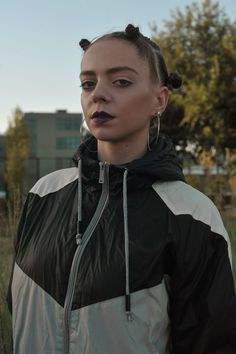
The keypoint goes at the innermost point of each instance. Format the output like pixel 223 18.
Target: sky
pixel 39 51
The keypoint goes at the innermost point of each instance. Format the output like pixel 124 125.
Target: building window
pixel 68 123
pixel 68 143
pixel 31 124
pixel 33 145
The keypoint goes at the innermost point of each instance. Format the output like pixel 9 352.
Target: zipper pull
pixel 78 239
pixel 101 172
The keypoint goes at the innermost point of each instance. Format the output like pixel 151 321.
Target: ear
pixel 161 97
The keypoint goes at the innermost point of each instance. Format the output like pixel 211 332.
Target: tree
pixel 200 43
pixel 17 153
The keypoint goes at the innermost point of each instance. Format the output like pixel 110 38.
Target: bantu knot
pixel 175 81
pixel 84 43
pixel 132 32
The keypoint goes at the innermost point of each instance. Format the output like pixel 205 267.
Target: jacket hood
pixel 161 163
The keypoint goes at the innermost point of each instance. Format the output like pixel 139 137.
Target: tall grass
pixel 5 318
pixel 8 225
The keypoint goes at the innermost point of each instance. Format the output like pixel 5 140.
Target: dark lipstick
pixel 101 116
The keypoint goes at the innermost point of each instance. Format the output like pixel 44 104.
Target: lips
pixel 101 118
pixel 101 115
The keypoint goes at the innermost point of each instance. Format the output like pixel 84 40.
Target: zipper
pixel 82 243
pixel 102 172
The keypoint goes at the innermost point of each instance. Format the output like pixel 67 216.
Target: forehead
pixel 108 53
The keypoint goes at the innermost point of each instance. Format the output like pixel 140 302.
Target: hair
pixel 148 50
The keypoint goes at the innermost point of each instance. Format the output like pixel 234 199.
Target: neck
pixel 119 153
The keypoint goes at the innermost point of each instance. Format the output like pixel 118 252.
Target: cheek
pixel 139 102
pixel 84 106
pixel 84 103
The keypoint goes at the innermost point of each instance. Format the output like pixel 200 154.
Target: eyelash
pixel 126 82
pixel 83 84
pixel 86 83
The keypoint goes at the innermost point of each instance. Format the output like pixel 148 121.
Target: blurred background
pixel 40 111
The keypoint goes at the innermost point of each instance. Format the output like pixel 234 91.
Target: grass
pixel 8 226
pixel 5 318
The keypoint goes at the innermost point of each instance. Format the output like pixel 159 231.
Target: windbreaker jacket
pixel 121 260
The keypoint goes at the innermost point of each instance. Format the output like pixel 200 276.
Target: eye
pixel 122 83
pixel 87 85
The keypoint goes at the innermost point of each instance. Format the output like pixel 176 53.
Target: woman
pixel 119 254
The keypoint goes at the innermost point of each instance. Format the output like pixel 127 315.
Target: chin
pixel 103 136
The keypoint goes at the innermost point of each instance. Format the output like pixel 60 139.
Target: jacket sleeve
pixel 202 296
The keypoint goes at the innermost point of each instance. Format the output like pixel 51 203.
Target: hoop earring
pixel 158 125
pixel 83 139
pixel 81 130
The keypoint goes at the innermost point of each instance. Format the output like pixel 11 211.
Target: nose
pixel 100 93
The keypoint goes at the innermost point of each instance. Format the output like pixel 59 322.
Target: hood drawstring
pixel 126 234
pixel 78 236
pixel 126 239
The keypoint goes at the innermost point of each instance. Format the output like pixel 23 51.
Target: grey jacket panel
pixel 41 330
pixel 98 328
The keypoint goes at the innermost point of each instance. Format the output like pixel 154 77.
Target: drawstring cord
pixel 78 233
pixel 126 234
pixel 126 239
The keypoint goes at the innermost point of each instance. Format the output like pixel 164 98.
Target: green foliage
pixel 194 181
pixel 8 228
pixel 5 318
pixel 6 251
pixel 230 225
pixel 200 44
pixel 17 153
pixel 9 218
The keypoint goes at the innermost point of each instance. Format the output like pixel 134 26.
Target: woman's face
pixel 118 97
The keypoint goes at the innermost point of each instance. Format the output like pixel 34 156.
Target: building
pixel 54 137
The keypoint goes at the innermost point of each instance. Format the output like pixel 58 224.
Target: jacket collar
pixel 161 163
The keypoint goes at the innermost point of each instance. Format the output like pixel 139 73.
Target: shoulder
pixel 182 199
pixel 54 181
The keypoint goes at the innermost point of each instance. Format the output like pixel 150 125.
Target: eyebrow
pixel 110 71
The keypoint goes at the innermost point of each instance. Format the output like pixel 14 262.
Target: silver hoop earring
pixel 158 125
pixel 82 130
pixel 84 135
